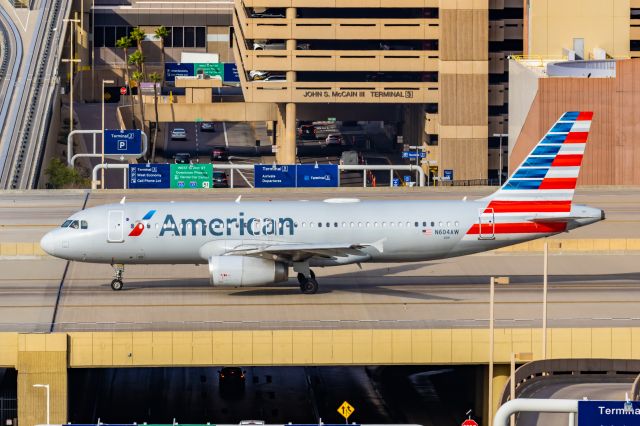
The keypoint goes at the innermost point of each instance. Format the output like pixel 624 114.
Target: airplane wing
pixel 300 251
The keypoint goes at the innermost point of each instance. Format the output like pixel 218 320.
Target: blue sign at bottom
pixel 149 176
pixel 317 176
pixel 275 176
pixel 608 413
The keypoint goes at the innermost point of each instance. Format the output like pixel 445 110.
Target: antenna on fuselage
pixel 238 199
pixel 123 198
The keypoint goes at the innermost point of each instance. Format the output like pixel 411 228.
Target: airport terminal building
pixel 435 70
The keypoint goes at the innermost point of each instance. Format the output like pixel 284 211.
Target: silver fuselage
pixel 189 233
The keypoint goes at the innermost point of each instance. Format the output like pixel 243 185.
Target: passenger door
pixel 486 223
pixel 115 226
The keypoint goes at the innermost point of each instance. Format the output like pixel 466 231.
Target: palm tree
pixel 155 78
pixel 125 44
pixel 162 32
pixel 138 77
pixel 137 34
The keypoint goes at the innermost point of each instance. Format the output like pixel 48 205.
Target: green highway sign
pixel 212 69
pixel 191 176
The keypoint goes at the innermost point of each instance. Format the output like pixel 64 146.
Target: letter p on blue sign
pixel 122 145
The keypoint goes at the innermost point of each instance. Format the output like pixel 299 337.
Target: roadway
pixel 589 289
pixel 595 389
pixel 30 103
pixel 301 395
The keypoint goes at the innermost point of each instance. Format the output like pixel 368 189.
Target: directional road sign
pixel 123 142
pixel 276 176
pixel 149 176
pixel 413 154
pixel 191 176
pixel 346 410
pixel 317 176
pixel 610 413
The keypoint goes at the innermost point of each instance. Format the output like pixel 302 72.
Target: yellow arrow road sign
pixel 346 410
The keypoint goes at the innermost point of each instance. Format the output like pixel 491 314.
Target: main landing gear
pixel 117 284
pixel 308 284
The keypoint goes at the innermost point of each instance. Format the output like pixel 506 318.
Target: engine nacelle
pixel 244 271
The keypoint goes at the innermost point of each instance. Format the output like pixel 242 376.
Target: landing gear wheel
pixel 311 287
pixel 116 285
pixel 303 281
pixel 118 272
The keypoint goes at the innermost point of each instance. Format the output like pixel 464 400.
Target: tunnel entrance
pixel 382 394
pixel 8 396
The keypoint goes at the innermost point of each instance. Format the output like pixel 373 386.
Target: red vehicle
pixel 307 132
pixel 220 153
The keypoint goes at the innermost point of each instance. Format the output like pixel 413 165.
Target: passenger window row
pixel 376 225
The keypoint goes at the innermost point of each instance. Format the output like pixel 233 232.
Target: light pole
pixel 48 398
pixel 500 135
pixel 102 160
pixel 493 282
pixel 520 356
pixel 71 60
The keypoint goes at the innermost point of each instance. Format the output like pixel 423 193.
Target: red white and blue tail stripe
pixel 536 200
pixel 546 180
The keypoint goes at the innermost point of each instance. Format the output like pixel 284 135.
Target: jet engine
pixel 244 271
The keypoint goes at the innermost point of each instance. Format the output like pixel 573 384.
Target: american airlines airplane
pixel 256 243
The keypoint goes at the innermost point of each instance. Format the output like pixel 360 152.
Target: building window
pixel 189 37
pixel 201 37
pixel 178 41
pixel 98 36
pixel 109 36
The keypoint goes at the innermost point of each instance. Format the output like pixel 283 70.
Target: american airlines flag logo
pixel 136 231
pixel 427 232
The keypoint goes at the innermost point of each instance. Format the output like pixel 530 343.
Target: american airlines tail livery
pixel 255 243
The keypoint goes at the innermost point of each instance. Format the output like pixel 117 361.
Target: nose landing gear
pixel 118 271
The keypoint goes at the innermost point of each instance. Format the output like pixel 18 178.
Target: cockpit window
pixel 75 224
pixel 84 224
pixel 66 223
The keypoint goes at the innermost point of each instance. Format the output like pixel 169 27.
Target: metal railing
pixel 71 157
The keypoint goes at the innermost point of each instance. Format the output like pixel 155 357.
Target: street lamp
pixel 500 135
pixel 71 60
pixel 48 398
pixel 102 174
pixel 493 282
pixel 520 356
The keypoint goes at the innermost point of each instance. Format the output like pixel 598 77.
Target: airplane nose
pixel 48 244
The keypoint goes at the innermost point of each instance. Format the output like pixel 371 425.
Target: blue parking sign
pixel 123 142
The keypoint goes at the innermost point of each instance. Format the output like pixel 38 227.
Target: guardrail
pixel 539 370
pixel 421 176
pixel 71 157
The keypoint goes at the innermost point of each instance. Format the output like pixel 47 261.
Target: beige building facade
pixel 580 25
pixel 434 57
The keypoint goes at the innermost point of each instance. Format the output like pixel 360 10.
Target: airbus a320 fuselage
pixel 256 243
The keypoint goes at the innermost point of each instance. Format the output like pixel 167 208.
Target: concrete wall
pixel 464 86
pixel 612 156
pixel 551 25
pixel 523 88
